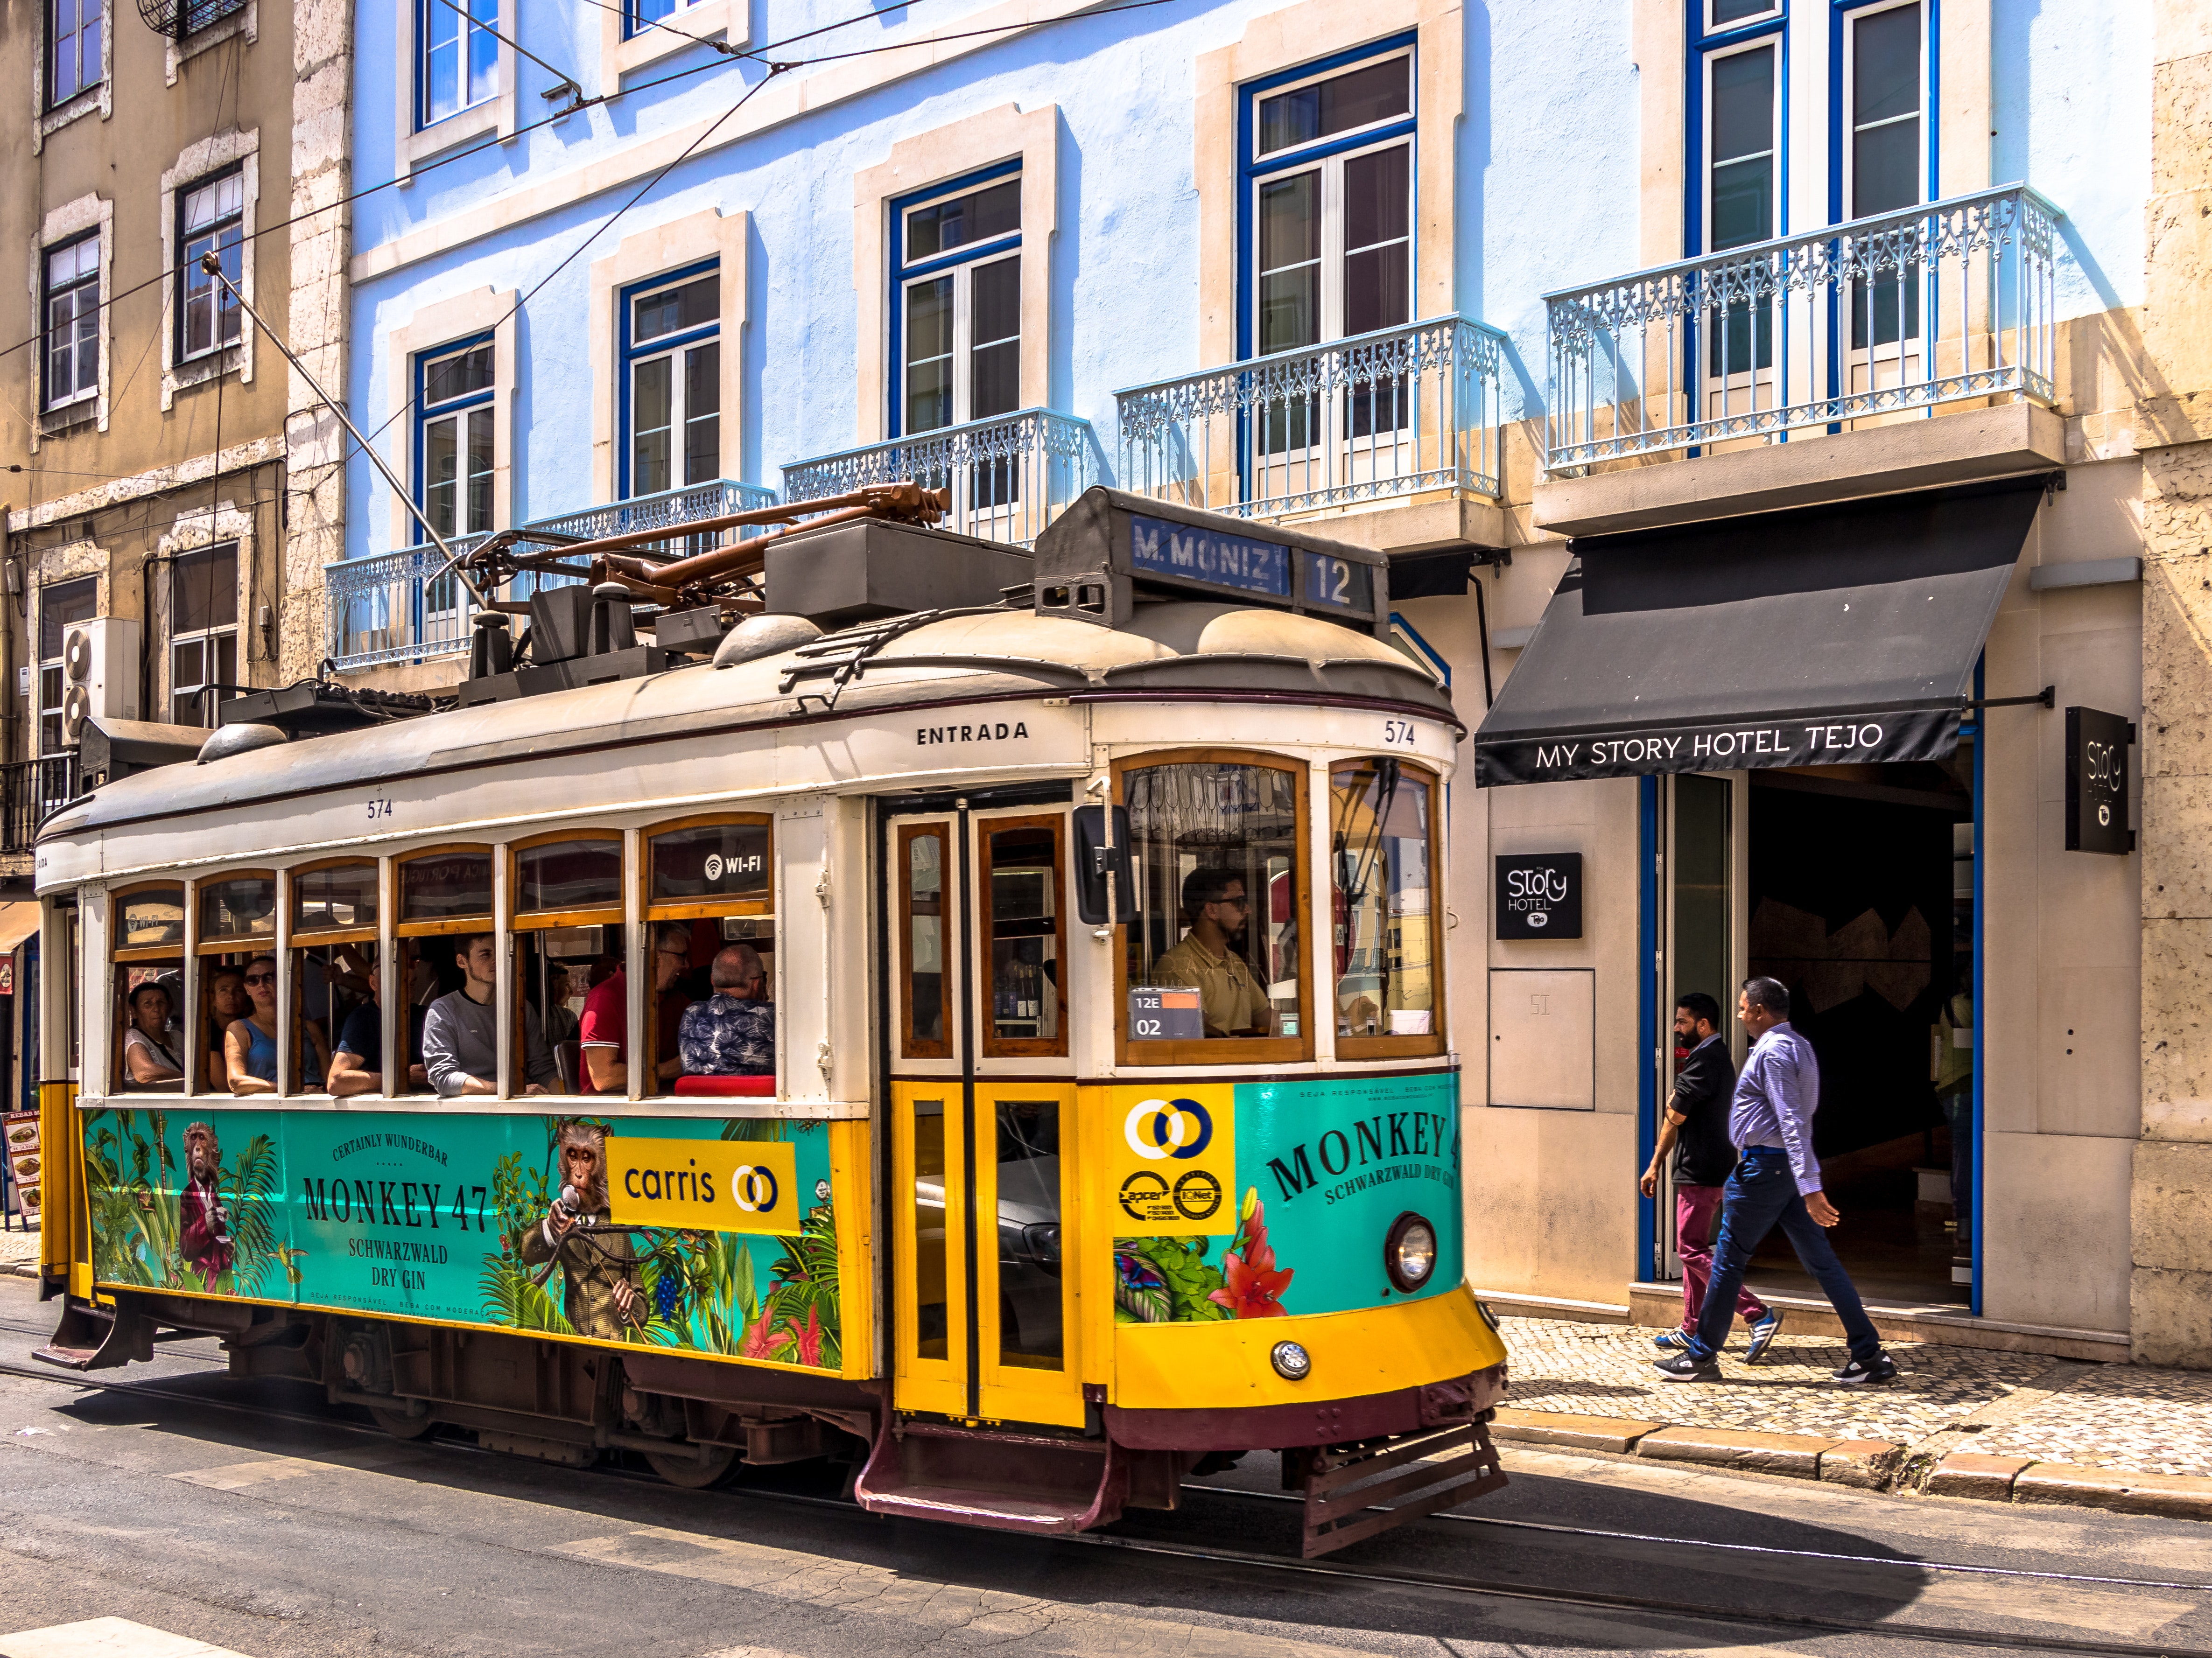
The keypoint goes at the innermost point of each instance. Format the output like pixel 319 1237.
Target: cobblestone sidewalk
pixel 2022 1406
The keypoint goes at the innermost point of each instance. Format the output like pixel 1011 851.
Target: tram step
pixel 91 1337
pixel 1000 1481
pixel 1449 1467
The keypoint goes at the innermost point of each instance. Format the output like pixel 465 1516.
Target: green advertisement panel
pixel 519 1221
pixel 1325 1167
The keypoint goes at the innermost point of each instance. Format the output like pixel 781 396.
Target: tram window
pixel 237 935
pixel 710 1017
pixel 446 886
pixel 241 907
pixel 931 1322
pixel 445 899
pixel 336 1016
pixel 921 922
pixel 566 875
pixel 1021 880
pixel 148 1037
pixel 1030 1335
pixel 337 897
pixel 1386 954
pixel 1216 850
pixel 568 940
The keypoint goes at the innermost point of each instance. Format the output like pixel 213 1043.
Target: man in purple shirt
pixel 1777 1182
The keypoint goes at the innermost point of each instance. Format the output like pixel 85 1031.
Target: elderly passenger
pixel 733 1032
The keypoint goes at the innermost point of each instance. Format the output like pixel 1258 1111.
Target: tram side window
pixel 237 944
pixel 1022 860
pixel 1387 956
pixel 447 949
pixel 568 942
pixel 335 989
pixel 921 861
pixel 710 899
pixel 1215 844
pixel 147 956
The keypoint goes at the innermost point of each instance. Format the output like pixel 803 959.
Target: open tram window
pixel 1021 863
pixel 235 942
pixel 1217 845
pixel 568 902
pixel 921 878
pixel 1387 953
pixel 710 900
pixel 147 954
pixel 444 910
pixel 335 985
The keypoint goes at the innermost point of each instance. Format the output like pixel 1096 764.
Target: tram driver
pixel 1208 960
pixel 460 1036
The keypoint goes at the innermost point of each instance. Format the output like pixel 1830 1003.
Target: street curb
pixel 1876 1464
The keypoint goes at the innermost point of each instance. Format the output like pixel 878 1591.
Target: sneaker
pixel 1762 1335
pixel 1688 1367
pixel 1856 1374
pixel 1673 1342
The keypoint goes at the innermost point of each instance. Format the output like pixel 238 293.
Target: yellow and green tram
pixel 1107 1126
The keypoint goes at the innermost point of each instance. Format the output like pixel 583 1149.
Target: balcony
pixel 32 790
pixel 1010 475
pixel 1394 416
pixel 398 608
pixel 1861 323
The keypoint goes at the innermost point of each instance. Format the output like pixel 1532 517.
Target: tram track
pixel 1398 1577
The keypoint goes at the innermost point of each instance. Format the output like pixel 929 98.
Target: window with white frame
pixel 457 56
pixel 1743 148
pixel 211 219
pixel 1884 155
pixel 454 437
pixel 956 302
pixel 642 14
pixel 1329 166
pixel 61 607
pixel 1732 14
pixel 672 382
pixel 203 633
pixel 73 47
pixel 72 318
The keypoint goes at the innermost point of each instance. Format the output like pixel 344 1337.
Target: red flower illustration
pixel 1252 1287
pixel 810 1339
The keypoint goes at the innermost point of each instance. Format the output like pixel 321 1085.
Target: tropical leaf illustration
pixel 1165 1280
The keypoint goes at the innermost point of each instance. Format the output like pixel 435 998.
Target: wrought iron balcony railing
pixel 397 607
pixel 1397 413
pixel 32 790
pixel 1931 305
pixel 1010 475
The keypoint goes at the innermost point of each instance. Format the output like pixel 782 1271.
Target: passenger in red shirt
pixel 604 1033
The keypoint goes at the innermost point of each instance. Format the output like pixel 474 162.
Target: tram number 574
pixel 1397 733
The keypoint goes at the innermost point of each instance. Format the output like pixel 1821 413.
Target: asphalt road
pixel 252 1516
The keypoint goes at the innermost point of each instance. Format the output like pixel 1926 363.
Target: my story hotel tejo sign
pixel 1857 738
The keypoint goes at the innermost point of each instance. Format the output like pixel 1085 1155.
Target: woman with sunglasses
pixel 250 1044
pixel 151 1043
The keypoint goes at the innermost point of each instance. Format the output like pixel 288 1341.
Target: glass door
pixel 1701 894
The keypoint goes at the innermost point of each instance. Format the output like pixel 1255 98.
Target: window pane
pixel 676 310
pixel 344 896
pixel 1885 168
pixel 480 470
pixel 1289 263
pixel 242 908
pixel 929 354
pixel 1743 202
pixel 1743 104
pixel 1371 93
pixel 1379 837
pixel 996 325
pixel 203 586
pixel 978 217
pixel 651 407
pixel 1219 894
pixel 703 418
pixel 155 917
pixel 1886 65
pixel 1022 922
pixel 713 861
pixel 1734 11
pixel 567 875
pixel 448 884
pixel 1377 276
pixel 923 901
pixel 931 1338
pixel 484 52
pixel 459 375
pixel 1028 1136
pixel 60 608
pixel 441 469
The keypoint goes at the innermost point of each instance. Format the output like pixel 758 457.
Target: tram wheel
pixel 399 1424
pixel 685 1469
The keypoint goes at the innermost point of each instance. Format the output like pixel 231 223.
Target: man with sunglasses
pixel 1233 1000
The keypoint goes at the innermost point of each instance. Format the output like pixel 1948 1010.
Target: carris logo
pixel 1158 1129
pixel 753 1189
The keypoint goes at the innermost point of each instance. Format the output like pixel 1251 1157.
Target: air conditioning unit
pixel 100 673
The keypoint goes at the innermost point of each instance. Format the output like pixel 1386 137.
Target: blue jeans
pixel 1761 1194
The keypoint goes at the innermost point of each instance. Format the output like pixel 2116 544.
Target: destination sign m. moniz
pixel 1860 737
pixel 2097 781
pixel 1195 553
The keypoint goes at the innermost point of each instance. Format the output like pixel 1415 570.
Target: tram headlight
pixel 1409 1252
pixel 1292 1361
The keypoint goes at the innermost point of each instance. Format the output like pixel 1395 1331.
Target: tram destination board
pixel 1111 549
pixel 1165 1013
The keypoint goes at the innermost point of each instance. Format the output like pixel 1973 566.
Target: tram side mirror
pixel 1093 859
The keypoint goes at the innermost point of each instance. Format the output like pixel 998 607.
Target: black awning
pixel 1820 636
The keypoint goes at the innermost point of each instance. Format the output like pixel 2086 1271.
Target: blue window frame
pixel 457 58
pixel 670 388
pixel 1735 141
pixel 455 422
pixel 639 16
pixel 956 301
pixel 1325 203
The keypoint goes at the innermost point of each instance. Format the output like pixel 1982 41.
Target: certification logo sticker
pixel 1171 1159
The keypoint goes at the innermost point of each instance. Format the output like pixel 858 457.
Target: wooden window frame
pixel 230 942
pixel 911 1048
pixel 1386 1046
pixel 1225 1050
pixel 547 920
pixel 443 925
pixel 990 1045
pixel 339 935
pixel 652 916
pixel 126 955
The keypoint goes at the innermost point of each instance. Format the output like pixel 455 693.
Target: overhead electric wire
pixel 567 83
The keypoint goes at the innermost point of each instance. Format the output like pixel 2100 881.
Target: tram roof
pixel 1173 649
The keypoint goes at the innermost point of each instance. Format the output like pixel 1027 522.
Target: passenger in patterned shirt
pixel 733 1032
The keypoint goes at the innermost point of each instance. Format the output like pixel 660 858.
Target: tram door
pixel 982 1141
